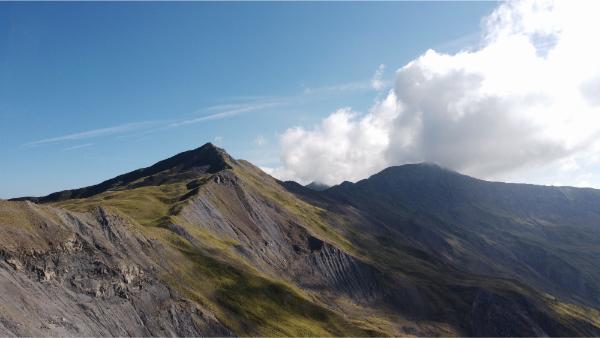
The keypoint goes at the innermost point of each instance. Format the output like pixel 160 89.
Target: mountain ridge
pixel 206 158
pixel 389 255
pixel 536 217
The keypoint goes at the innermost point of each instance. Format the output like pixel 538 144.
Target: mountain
pixel 544 236
pixel 189 164
pixel 318 186
pixel 204 244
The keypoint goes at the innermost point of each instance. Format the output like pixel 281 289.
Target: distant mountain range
pixel 204 244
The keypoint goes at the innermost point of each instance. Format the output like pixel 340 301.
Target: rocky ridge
pixel 203 244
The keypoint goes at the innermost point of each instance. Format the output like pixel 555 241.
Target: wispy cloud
pixel 217 112
pixel 236 106
pixel 465 42
pixel 79 146
pixel 260 140
pixel 342 87
pixel 377 82
pixel 232 110
pixel 88 134
pixel 218 140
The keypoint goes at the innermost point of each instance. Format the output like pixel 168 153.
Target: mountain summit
pixel 205 159
pixel 201 244
pixel 318 186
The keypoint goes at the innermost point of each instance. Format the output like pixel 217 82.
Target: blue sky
pixel 92 90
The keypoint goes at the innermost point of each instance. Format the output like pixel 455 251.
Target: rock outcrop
pixel 88 275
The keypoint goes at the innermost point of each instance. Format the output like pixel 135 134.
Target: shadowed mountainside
pixel 547 237
pixel 202 244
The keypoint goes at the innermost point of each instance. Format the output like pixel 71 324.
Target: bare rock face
pixel 328 267
pixel 495 315
pixel 100 279
pixel 276 242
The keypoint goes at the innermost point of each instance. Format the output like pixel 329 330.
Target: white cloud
pixel 377 81
pixel 344 145
pixel 525 101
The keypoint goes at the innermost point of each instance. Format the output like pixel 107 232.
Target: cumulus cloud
pixel 345 145
pixel 527 99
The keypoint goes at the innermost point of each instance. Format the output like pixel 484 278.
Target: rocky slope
pixel 64 273
pixel 202 244
pixel 547 237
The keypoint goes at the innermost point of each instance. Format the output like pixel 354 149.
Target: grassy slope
pixel 448 290
pixel 253 304
pixel 242 298
pixel 445 286
pixel 23 227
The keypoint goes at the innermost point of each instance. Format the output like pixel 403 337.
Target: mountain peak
pixel 207 158
pixel 424 175
pixel 209 147
pixel 318 186
pixel 413 170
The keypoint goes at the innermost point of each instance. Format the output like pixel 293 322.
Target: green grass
pixel 242 298
pixel 212 274
pixel 24 227
pixel 309 215
pixel 248 303
pixel 147 205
